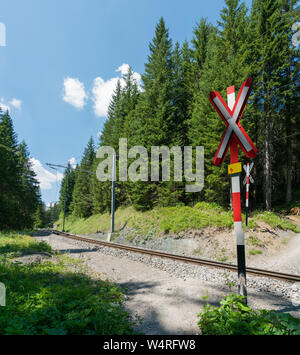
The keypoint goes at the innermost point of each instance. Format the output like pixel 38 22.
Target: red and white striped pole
pixel 247 192
pixel 236 206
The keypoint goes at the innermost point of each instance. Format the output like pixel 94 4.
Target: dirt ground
pixel 164 304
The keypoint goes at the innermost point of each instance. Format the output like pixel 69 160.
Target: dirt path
pixel 295 219
pixel 165 304
pixel 286 260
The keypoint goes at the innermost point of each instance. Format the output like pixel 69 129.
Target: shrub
pixel 56 296
pixel 234 317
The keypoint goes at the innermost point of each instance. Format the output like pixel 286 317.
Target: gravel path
pixel 287 260
pixel 167 295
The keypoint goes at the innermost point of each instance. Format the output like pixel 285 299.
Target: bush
pixel 234 317
pixel 56 296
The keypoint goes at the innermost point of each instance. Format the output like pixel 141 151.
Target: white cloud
pixel 102 90
pixel 4 107
pixel 99 134
pixel 45 177
pixel 123 68
pixel 102 93
pixel 74 92
pixel 16 103
pixel 72 162
pixel 136 76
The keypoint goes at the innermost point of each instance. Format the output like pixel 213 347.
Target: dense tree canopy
pixel 172 108
pixel 19 189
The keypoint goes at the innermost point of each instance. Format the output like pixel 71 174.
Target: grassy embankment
pixel 56 295
pixel 171 220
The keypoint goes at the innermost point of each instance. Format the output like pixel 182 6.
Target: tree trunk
pixel 288 196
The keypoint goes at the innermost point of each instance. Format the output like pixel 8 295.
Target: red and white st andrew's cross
pixel 234 130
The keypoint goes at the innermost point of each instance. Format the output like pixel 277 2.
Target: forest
pixel 21 206
pixel 172 108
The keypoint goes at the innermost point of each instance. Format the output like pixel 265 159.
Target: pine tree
pixel 225 65
pixel 288 96
pixel 157 118
pixel 9 173
pixel 199 52
pixel 29 188
pixel 154 111
pixel 267 16
pixel 19 190
pixel 66 189
pixel 118 125
pixel 82 199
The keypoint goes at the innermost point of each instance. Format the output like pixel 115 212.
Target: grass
pixel 255 241
pixel 15 244
pixel 168 220
pixel 57 296
pixel 157 221
pixel 255 252
pixel 276 221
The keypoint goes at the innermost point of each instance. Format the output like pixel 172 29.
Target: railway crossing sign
pixel 233 136
pixel 248 173
pixel 231 117
pixel 246 181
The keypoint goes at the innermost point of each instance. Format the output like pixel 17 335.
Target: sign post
pixel 246 181
pixel 233 136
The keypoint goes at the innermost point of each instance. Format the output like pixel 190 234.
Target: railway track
pixel 186 259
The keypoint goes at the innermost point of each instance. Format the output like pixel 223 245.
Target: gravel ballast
pixel 132 270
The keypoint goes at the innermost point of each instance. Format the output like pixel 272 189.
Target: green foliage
pixel 176 219
pixel 19 190
pixel 82 199
pixel 173 109
pixel 13 244
pixel 255 241
pixel 66 189
pixel 47 298
pixel 255 252
pixel 234 317
pixel 158 221
pixel 276 221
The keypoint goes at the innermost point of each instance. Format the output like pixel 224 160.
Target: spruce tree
pixel 267 17
pixel 29 187
pixel 9 173
pixel 82 199
pixel 66 189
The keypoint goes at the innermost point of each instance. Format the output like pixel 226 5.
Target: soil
pixel 165 304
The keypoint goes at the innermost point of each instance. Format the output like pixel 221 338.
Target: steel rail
pixel 187 259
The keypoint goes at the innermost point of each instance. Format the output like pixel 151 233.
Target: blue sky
pixel 59 65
